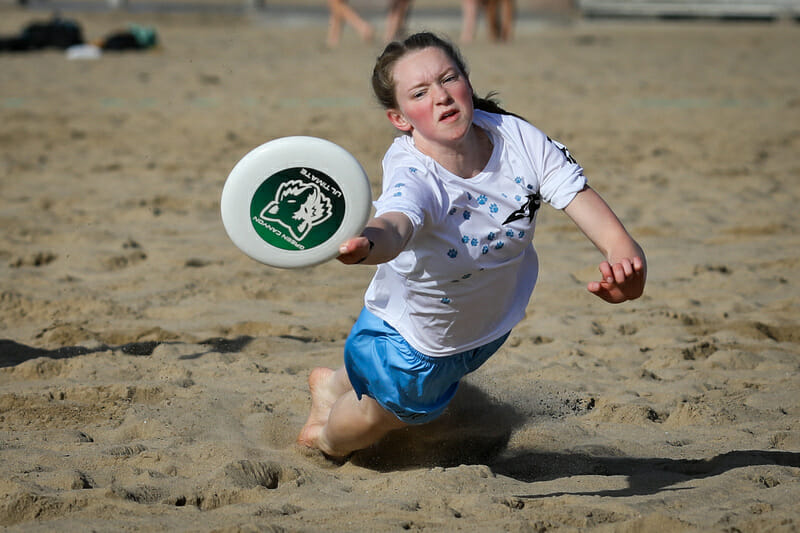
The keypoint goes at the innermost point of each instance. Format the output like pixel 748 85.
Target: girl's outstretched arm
pixel 625 269
pixel 382 239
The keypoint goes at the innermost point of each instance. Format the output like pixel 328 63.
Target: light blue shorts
pixel 412 385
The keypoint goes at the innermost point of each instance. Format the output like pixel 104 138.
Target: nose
pixel 441 94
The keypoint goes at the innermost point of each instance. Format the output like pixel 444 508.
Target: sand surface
pixel 152 377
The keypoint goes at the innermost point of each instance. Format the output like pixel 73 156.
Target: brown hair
pixel 383 84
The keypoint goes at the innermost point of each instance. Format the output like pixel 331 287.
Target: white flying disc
pixel 293 201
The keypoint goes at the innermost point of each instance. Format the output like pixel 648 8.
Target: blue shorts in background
pixel 412 385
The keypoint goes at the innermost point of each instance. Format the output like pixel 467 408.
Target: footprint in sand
pixel 37 259
pixel 249 474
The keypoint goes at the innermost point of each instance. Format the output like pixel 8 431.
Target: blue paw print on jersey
pixel 491 236
pixel 517 180
pixel 452 253
pixel 509 233
pixel 445 300
pixel 521 234
pixel 469 196
pixel 485 249
pixel 465 239
pixel 452 211
pixel 412 170
pixel 398 193
pixel 482 199
pixel 498 245
pixel 467 215
pixel 493 208
pixel 518 198
pixel 530 187
pixel 474 242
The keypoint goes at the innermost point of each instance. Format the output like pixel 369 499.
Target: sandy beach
pixel 153 377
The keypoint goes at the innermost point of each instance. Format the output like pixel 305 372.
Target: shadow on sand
pixel 13 353
pixel 645 475
pixel 476 430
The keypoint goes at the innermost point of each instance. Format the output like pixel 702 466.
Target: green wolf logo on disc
pixel 297 208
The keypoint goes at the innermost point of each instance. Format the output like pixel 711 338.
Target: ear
pixel 398 120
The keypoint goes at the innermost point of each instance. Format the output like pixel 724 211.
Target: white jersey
pixel 468 271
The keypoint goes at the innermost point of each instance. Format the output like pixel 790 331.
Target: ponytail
pixel 491 104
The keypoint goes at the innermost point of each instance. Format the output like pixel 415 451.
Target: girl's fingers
pixel 607 272
pixel 619 273
pixel 627 267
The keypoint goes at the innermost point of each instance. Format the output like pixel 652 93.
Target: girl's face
pixel 434 98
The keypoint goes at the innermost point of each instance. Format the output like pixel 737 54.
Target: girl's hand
pixel 382 239
pixel 621 282
pixel 355 250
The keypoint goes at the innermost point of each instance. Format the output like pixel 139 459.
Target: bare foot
pixel 318 457
pixel 320 383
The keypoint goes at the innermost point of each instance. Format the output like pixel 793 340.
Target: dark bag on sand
pixel 134 38
pixel 120 41
pixel 56 33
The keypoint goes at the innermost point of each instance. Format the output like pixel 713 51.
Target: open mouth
pixel 447 115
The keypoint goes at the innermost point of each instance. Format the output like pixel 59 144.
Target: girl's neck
pixel 466 159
